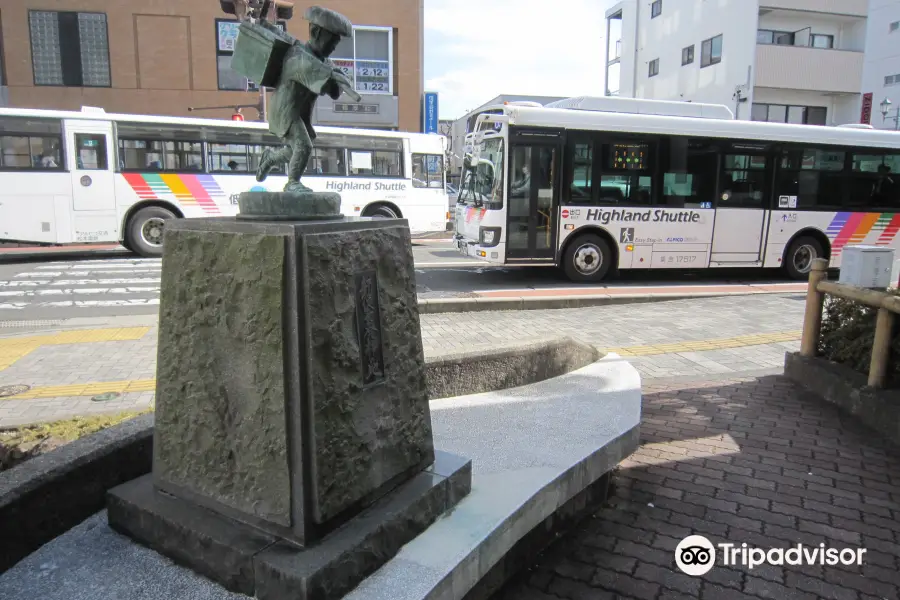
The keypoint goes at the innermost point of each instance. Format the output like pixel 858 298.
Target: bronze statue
pixel 306 74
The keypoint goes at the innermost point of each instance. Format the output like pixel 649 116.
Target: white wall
pixel 690 22
pixel 841 109
pixel 629 10
pixel 882 59
pixel 848 32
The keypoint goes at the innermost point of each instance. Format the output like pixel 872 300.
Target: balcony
pixel 812 69
pixel 854 8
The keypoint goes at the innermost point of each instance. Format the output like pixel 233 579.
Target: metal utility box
pixel 867 266
pixel 259 52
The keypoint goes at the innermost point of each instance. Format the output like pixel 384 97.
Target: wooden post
pixel 812 320
pixel 881 348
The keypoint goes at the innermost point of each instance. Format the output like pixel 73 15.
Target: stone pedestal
pixel 293 450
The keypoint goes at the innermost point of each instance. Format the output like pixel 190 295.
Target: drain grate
pixel 12 390
pixel 14 324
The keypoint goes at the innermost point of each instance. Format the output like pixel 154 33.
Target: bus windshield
pixel 482 182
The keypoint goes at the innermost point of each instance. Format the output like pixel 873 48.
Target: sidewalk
pixel 67 364
pixel 743 460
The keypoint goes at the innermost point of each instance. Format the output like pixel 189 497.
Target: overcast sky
pixel 477 49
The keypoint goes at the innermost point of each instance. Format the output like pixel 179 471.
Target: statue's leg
pixel 270 158
pixel 302 149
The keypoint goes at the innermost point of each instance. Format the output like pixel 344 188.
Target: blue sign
pixel 430 113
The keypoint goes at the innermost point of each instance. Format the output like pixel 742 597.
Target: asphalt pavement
pixel 61 284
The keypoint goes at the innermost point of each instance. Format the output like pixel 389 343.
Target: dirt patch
pixel 20 444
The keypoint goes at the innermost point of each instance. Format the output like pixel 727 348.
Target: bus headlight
pixel 489 236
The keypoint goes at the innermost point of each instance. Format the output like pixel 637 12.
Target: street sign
pixel 430 113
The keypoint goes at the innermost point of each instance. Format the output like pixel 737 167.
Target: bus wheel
pixel 145 230
pixel 800 255
pixel 381 212
pixel 588 259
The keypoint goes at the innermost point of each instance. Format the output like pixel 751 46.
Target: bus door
pixel 91 161
pixel 535 172
pixel 740 205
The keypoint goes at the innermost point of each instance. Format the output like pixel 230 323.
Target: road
pixel 114 283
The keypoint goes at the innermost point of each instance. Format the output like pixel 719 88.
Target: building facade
pixel 166 56
pixel 881 68
pixel 794 61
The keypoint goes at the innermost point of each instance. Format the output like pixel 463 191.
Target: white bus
pixel 595 191
pixel 89 176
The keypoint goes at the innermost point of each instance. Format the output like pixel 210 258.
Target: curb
pixel 460 305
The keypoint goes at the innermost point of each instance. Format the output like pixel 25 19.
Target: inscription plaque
pixel 368 327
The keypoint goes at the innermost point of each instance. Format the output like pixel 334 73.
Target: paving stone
pixel 812 510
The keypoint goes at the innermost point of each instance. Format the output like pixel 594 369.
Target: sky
pixel 478 49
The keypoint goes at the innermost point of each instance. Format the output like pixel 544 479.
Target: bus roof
pixel 691 126
pixel 641 106
pixel 98 114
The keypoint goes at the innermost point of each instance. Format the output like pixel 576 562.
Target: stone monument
pixel 293 449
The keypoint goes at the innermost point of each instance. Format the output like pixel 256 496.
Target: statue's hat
pixel 329 20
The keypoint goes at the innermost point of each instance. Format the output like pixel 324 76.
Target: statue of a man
pixel 307 74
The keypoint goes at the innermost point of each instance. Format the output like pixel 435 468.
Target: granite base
pixel 249 561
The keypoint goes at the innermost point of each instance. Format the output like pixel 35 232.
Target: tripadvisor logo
pixel 695 555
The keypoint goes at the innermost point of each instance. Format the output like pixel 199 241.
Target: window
pixel 780 38
pixel 152 155
pixel 743 180
pixel 892 79
pixel 654 68
pixel 894 27
pixel 366 59
pixel 711 51
pixel 69 48
pixel 813 176
pixel 874 181
pixel 818 40
pixel 236 158
pixel 780 113
pixel 581 159
pixel 689 177
pixel 687 55
pixel 655 9
pixel 30 144
pixel 226 36
pixel 374 157
pixel 626 174
pixel 428 170
pixel 90 149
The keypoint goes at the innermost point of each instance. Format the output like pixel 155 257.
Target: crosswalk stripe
pixel 77 291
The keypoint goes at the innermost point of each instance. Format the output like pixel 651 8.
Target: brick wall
pixel 163 55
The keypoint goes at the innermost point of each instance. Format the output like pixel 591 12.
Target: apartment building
pixel 166 56
pixel 881 68
pixel 793 61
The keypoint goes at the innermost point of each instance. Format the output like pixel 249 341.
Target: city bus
pixel 91 176
pixel 577 186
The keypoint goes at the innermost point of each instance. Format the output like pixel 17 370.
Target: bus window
pixel 183 156
pixel 375 157
pixel 228 158
pixel 813 175
pixel 626 174
pixel 581 188
pixel 689 178
pixel 30 143
pixel 428 170
pixel 91 151
pixel 743 181
pixel 875 181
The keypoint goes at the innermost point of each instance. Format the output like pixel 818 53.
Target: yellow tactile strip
pixel 12 349
pixel 702 345
pixel 149 385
